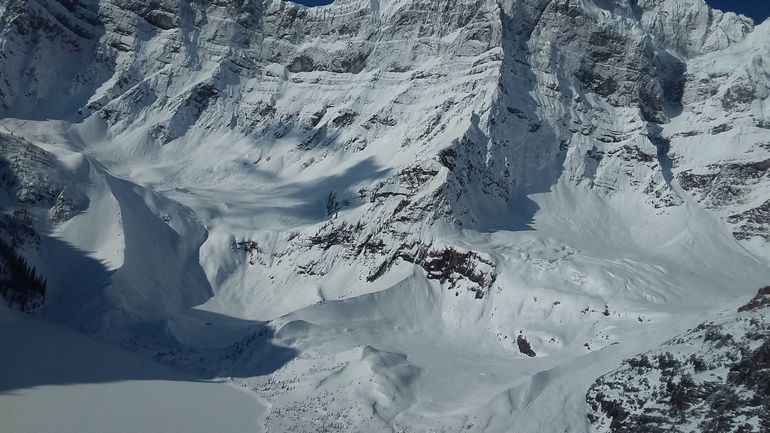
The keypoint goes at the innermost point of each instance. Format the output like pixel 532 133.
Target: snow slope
pixel 713 378
pixel 405 215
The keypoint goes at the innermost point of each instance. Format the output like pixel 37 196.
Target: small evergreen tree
pixel 20 285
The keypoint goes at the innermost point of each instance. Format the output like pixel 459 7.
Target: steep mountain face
pixel 502 180
pixel 103 244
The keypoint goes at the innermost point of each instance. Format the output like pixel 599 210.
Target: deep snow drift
pixel 407 215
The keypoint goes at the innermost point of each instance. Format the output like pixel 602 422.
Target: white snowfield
pixel 57 380
pixel 378 215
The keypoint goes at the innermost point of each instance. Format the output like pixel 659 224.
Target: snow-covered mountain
pixel 410 215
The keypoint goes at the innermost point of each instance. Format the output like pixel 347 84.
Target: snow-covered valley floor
pixel 55 380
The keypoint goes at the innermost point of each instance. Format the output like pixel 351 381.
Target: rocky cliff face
pixel 714 378
pixel 544 164
pixel 467 107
